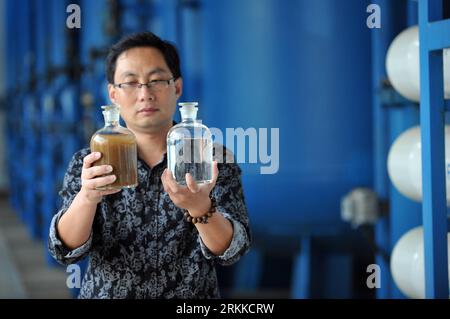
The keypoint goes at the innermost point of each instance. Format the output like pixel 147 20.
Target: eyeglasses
pixel 154 85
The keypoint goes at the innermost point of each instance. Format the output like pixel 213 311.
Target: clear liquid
pixel 190 155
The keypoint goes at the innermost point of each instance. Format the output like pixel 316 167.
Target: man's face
pixel 144 109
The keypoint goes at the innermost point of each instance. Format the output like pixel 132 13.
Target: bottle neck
pixel 112 117
pixel 112 123
pixel 188 113
pixel 188 119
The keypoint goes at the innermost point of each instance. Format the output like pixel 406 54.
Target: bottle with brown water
pixel 119 149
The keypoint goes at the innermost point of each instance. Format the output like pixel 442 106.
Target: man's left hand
pixel 193 197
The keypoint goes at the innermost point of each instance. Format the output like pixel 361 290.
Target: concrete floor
pixel 24 272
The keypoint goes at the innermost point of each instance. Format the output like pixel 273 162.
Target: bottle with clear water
pixel 189 147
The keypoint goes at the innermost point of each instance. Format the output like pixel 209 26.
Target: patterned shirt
pixel 141 246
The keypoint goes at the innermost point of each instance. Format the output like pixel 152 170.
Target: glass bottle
pixel 189 147
pixel 119 149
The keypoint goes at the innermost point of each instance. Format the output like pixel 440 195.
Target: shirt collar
pixel 163 161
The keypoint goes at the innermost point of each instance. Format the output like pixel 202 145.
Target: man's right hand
pixel 90 181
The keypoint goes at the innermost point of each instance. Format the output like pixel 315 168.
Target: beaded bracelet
pixel 201 219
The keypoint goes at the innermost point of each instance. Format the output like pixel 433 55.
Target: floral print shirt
pixel 141 246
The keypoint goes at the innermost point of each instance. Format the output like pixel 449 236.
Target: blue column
pixel 432 121
pixel 302 272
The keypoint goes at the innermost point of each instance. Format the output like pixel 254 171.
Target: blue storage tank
pixel 303 67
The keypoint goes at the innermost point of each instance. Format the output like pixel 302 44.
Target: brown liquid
pixel 119 151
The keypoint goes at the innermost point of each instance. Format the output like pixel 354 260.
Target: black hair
pixel 143 39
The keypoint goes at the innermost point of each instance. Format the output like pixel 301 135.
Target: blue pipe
pixel 381 39
pixel 389 123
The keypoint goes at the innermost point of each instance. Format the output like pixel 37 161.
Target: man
pixel 140 243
